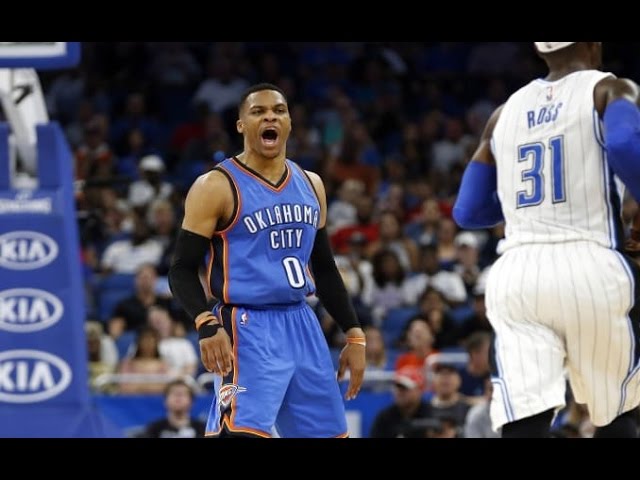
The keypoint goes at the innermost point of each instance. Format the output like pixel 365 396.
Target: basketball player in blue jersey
pixel 563 298
pixel 262 218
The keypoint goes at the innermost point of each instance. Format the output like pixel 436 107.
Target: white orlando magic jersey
pixel 554 182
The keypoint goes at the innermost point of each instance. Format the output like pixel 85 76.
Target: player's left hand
pixel 352 357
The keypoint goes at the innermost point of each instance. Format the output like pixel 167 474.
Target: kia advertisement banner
pixel 43 356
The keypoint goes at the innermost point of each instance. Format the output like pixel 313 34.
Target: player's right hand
pixel 216 353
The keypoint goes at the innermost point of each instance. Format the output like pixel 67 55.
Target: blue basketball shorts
pixel 282 376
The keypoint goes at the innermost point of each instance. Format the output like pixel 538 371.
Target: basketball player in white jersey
pixel 563 298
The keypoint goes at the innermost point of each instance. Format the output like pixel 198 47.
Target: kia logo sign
pixel 26 250
pixel 25 310
pixel 28 376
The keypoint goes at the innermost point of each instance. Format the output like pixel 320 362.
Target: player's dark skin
pixel 580 56
pixel 210 202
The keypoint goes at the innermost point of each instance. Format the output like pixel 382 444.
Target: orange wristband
pixel 357 341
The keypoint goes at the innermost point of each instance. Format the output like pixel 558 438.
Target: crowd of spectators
pixel 389 127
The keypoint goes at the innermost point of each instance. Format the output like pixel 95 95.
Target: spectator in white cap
pixel 467 257
pixel 150 187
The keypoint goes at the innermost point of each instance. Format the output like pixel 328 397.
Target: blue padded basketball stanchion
pixel 43 357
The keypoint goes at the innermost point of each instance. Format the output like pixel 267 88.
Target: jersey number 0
pixel 295 274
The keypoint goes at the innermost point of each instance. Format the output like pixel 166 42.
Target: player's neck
pixel 556 72
pixel 270 168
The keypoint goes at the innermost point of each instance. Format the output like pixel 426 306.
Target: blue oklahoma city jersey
pixel 262 257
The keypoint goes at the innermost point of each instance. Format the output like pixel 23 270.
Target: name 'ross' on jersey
pixel 554 182
pixel 262 257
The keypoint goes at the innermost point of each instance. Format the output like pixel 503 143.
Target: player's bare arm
pixel 208 204
pixel 611 89
pixel 483 152
pixel 477 204
pixel 336 301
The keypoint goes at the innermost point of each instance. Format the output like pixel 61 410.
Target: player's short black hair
pixel 258 87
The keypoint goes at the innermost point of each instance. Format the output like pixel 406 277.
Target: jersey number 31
pixel 534 177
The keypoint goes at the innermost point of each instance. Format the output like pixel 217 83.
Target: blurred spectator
pixel 94 158
pixel 342 211
pixel 358 159
pixel 177 352
pixel 162 220
pixel 467 259
pixel 131 313
pixel 435 311
pixel 423 229
pixel 223 87
pixel 129 254
pixel 444 427
pixel 396 421
pixel 449 284
pixel 478 421
pixel 135 117
pixel 135 150
pixel 202 149
pixel 447 250
pixel 452 148
pixel 151 187
pixel 478 322
pixel 392 238
pixel 103 354
pixel 355 268
pixel 477 369
pixel 447 401
pixel 178 401
pixel 145 359
pixel 375 351
pixel 386 290
pixel 365 226
pixel 419 340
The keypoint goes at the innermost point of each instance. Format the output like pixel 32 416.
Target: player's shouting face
pixel 265 123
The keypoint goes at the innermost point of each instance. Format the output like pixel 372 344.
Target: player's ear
pixel 239 126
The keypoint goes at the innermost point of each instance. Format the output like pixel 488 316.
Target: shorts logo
pixel 244 318
pixel 227 392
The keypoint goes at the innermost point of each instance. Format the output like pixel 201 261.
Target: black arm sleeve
pixel 329 285
pixel 183 274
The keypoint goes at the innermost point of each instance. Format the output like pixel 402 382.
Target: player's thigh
pixel 313 405
pixel 527 356
pixel 602 342
pixel 251 396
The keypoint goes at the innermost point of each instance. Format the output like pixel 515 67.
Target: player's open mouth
pixel 269 137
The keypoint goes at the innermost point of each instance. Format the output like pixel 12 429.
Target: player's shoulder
pixel 610 88
pixel 213 178
pixel 212 185
pixel 313 176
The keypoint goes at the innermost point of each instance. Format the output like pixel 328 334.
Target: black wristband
pixel 207 330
